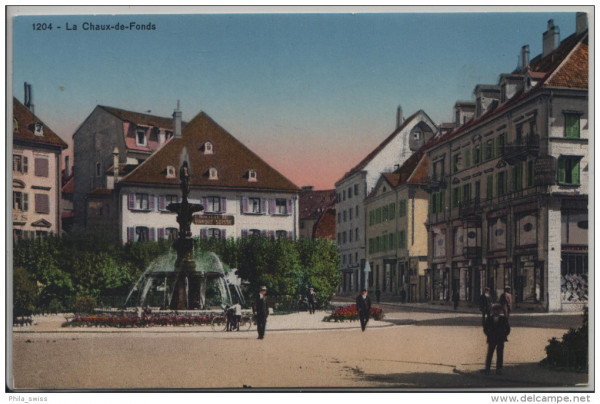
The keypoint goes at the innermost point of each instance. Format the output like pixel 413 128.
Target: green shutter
pixel 575 174
pixel 561 171
pixel 442 201
pixel 520 176
pixel 490 186
pixel 572 126
pixel 467 158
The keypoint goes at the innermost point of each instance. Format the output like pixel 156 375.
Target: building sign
pixel 207 220
pixel 545 171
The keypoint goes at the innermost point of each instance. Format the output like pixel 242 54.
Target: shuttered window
pixel 42 203
pixel 568 170
pixel 572 126
pixel 490 186
pixel 41 167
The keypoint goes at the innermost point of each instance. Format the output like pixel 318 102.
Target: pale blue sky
pixel 310 93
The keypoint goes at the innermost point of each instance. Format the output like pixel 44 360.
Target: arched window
pixel 171 172
pixel 213 174
pixel 252 176
pixel 208 148
pixel 98 169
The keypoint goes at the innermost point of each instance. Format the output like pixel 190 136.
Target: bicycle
pixel 219 322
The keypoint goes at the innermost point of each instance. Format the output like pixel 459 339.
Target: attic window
pixel 252 177
pixel 38 129
pixel 208 148
pixel 212 174
pixel 171 172
pixel 140 136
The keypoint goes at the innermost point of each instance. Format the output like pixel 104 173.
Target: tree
pixel 25 292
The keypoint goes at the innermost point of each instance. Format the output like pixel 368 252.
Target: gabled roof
pixel 556 69
pixel 230 157
pixel 312 204
pixel 383 144
pixel 325 225
pixel 140 118
pixel 419 174
pixel 69 186
pixel 25 124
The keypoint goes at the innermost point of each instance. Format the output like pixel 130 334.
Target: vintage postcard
pixel 306 199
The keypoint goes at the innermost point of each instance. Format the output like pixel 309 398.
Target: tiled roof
pixel 574 72
pixel 381 146
pixel 564 61
pixel 69 186
pixel 325 226
pixel 24 129
pixel 313 203
pixel 140 118
pixel 230 157
pixel 392 178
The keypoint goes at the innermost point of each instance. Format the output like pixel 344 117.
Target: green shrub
pixel 572 351
pixel 25 292
pixel 84 304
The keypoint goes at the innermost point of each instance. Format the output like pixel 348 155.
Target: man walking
pixel 497 329
pixel 363 306
pixel 506 301
pixel 260 309
pixel 485 305
pixel 312 301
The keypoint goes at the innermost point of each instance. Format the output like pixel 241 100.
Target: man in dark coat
pixel 312 301
pixel 497 329
pixel 485 305
pixel 260 309
pixel 363 306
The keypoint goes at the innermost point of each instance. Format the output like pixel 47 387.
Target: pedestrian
pixel 378 295
pixel 363 306
pixel 312 301
pixel 496 328
pixel 260 309
pixel 237 316
pixel 455 298
pixel 506 301
pixel 485 305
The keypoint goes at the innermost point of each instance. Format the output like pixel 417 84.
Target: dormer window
pixel 38 129
pixel 15 124
pixel 140 136
pixel 208 148
pixel 212 174
pixel 252 176
pixel 171 172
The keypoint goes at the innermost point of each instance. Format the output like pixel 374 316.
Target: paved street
pixel 410 350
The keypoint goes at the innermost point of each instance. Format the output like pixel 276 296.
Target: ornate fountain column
pixel 185 267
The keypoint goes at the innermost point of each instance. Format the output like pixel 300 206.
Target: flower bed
pixel 125 321
pixel 349 313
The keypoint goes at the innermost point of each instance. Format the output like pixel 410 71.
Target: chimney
pixel 580 22
pixel 177 122
pixel 67 166
pixel 551 38
pixel 28 98
pixel 399 117
pixel 115 154
pixel 524 57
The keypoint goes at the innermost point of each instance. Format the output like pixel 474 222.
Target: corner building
pixel 509 188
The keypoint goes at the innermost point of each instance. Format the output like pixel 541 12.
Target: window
pixel 213 174
pixel 356 214
pixel 19 164
pixel 402 239
pixel 517 177
pixel 214 233
pixel 501 183
pixel 489 149
pixel 467 158
pixel 356 238
pixel 572 126
pixel 392 211
pixel 530 174
pixel 252 176
pixel 339 238
pixel 340 217
pixel 172 233
pixel 438 169
pixel 490 187
pixel 171 172
pixel 350 236
pixel 281 206
pixel 455 162
pixel 568 170
pixel 41 167
pixel 466 197
pixel 384 213
pixel 42 203
pixel 349 192
pixel 140 136
pixel 142 202
pixel 355 189
pixel 20 201
pixel 213 204
pixel 344 194
pixel 142 234
pixel 169 199
pixel 254 205
pixel 208 148
pixel 98 170
pixel 455 197
pixel 350 214
pixel 344 237
pixel 281 234
pixel 378 215
pixel 38 129
pixel 402 208
pixel 344 216
pixel 254 232
pixel 500 143
pixel 477 191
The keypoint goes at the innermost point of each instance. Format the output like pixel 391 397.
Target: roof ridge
pixel 578 45
pixel 108 107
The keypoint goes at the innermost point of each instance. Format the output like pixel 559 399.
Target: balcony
pixel 521 148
